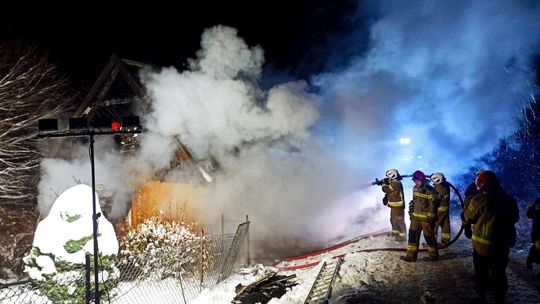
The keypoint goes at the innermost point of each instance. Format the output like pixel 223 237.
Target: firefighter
pixel 469 192
pixel 393 190
pixel 443 211
pixel 471 189
pixel 423 211
pixel 534 253
pixel 493 214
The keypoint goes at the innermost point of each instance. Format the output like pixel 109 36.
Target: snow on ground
pixel 225 291
pixel 370 242
pixel 381 277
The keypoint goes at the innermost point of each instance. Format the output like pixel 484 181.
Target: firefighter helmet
pixel 485 179
pixel 419 175
pixel 392 174
pixel 438 177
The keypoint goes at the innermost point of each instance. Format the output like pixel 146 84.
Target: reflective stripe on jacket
pixel 423 207
pixel 394 192
pixel 443 190
pixel 493 216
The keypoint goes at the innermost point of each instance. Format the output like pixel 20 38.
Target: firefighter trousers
pixel 534 254
pixel 397 220
pixel 490 271
pixel 416 229
pixel 443 222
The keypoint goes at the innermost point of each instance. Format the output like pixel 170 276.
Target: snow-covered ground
pixel 369 277
pixel 381 277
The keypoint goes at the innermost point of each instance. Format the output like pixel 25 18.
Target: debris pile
pixel 271 285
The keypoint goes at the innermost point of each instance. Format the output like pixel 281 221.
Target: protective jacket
pixel 423 207
pixel 443 212
pixel 493 214
pixel 443 193
pixel 533 212
pixel 394 193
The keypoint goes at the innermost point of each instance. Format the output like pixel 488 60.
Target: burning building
pixel 116 94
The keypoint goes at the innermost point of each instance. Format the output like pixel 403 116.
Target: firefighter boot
pixel 400 238
pixel 408 258
pixel 432 249
pixel 392 233
pixel 411 255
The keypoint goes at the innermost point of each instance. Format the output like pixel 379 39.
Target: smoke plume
pixel 447 76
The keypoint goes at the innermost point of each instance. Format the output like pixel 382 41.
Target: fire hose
pixel 375 234
pixel 380 182
pixel 456 237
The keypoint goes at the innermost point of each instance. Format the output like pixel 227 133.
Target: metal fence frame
pixel 159 286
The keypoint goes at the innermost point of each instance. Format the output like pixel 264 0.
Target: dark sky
pixel 297 36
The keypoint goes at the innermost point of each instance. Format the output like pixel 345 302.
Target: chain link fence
pixel 171 282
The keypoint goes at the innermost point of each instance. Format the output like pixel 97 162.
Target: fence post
pixel 222 225
pixel 87 295
pixel 247 236
pixel 182 288
pixel 223 232
pixel 201 269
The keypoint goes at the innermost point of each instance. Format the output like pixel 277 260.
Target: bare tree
pixel 31 88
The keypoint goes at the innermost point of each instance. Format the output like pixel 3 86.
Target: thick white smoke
pixel 116 176
pixel 272 169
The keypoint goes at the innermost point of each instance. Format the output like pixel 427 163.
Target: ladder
pixel 322 287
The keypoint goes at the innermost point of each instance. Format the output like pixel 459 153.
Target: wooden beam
pixel 107 86
pixel 127 77
pixel 87 101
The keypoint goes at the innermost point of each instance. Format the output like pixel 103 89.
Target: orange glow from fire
pixel 174 201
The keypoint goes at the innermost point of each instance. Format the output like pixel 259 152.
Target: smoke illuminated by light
pixel 438 72
pixel 404 141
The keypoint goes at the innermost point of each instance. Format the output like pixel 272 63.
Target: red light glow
pixel 115 126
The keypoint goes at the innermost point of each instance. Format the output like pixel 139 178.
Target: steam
pixel 272 168
pixel 448 79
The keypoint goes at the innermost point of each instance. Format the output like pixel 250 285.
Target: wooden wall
pixel 174 201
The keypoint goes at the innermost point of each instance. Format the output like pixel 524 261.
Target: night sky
pixel 299 38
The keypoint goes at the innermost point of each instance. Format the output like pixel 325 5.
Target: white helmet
pixel 392 174
pixel 438 177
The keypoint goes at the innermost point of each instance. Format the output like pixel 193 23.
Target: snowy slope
pixel 381 277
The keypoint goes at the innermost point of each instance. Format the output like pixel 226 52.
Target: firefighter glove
pixel 468 231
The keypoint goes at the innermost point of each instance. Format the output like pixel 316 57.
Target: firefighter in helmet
pixel 393 190
pixel 469 192
pixel 493 214
pixel 533 212
pixel 443 211
pixel 423 211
